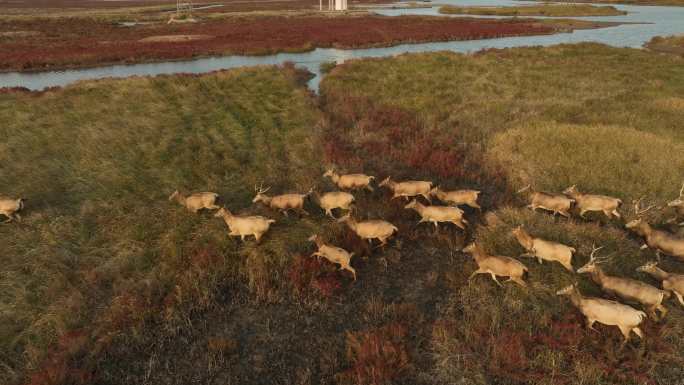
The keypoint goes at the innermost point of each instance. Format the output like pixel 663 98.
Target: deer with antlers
pixel 592 202
pixel 333 254
pixel 607 312
pixel 626 288
pixel 496 265
pixel 408 189
pixel 661 241
pixel 556 203
pixel 283 202
pixel 678 205
pixel 543 249
pixel 671 282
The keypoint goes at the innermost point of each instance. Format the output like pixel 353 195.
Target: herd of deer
pixel 607 312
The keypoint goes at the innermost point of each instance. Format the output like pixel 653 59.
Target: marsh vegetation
pixel 106 281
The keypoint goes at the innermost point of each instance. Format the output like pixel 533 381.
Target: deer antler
pixel 593 251
pixel 524 189
pixel 260 189
pixel 637 207
pixel 681 191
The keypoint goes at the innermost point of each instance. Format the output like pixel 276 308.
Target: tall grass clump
pixel 617 161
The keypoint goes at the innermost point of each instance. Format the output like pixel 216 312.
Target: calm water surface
pixel 654 21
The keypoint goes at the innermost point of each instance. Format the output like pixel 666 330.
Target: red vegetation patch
pixel 310 273
pixel 362 135
pixel 377 355
pixel 65 43
pixel 513 355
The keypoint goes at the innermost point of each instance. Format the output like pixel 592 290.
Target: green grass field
pixel 106 281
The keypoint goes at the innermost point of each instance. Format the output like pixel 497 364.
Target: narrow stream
pixel 654 21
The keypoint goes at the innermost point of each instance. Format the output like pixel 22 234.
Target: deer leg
pixel 568 266
pixel 242 237
pixel 257 237
pixel 662 309
pixel 460 225
pixel 638 332
pixel 564 213
pixel 679 297
pixel 17 217
pixel 476 272
pixel 496 280
pixel 9 218
pixel 617 214
pixel 427 197
pixel 643 247
pixel 581 214
pixel 284 212
pixel 590 324
pixel 301 210
pixel 518 280
pixel 368 186
pixel 329 213
pixel 652 313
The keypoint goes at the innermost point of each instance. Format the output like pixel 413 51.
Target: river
pixel 652 21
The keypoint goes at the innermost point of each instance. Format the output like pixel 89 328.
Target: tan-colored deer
pixel 10 208
pixel 350 181
pixel 333 254
pixel 408 189
pixel 197 201
pixel 671 282
pixel 457 197
pixel 372 229
pixel 496 265
pixel 678 205
pixel 283 202
pixel 543 249
pixel 661 241
pixel 334 200
pixel 607 312
pixel 436 214
pixel 592 202
pixel 242 226
pixel 556 203
pixel 626 288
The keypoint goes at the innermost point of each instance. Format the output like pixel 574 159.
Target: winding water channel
pixel 652 21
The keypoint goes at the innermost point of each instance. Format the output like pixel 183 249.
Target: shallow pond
pixel 654 21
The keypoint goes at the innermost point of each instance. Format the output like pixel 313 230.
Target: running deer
pixel 242 226
pixel 369 230
pixel 556 203
pixel 671 282
pixel 496 265
pixel 11 207
pixel 543 249
pixel 678 205
pixel 333 254
pixel 626 288
pixel 436 214
pixel 659 240
pixel 282 202
pixel 607 312
pixel 350 181
pixel 591 202
pixel 408 189
pixel 197 201
pixel 457 197
pixel 334 200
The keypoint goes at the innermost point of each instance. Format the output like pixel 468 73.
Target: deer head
pixel 260 193
pixel 593 263
pixel 638 214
